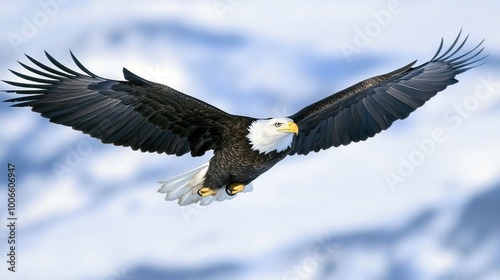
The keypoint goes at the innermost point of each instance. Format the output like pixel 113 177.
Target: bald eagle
pixel 152 117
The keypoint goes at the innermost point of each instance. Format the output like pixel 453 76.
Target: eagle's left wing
pixel 135 113
pixel 370 106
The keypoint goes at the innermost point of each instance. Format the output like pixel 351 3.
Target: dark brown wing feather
pixel 136 113
pixel 368 107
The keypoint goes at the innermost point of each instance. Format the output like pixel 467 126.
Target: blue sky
pixel 322 216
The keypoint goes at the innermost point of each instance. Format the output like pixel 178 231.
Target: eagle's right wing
pixel 370 106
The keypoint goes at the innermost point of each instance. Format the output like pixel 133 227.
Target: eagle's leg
pixel 234 188
pixel 206 191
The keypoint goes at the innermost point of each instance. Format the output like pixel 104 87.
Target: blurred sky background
pixel 91 211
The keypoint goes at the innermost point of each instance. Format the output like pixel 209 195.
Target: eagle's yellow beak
pixel 290 127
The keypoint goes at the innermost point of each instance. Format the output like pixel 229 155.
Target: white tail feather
pixel 185 186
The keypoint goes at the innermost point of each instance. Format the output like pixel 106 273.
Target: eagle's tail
pixel 185 186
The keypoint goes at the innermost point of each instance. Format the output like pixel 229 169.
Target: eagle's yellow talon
pixel 206 191
pixel 235 188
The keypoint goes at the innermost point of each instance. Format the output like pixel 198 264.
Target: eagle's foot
pixel 235 188
pixel 206 191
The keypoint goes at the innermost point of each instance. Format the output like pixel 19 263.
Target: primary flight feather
pixel 151 117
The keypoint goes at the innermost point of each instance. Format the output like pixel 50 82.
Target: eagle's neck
pixel 264 138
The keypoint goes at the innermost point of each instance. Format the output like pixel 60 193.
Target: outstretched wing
pixel 136 113
pixel 368 107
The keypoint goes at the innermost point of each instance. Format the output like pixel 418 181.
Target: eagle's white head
pixel 274 134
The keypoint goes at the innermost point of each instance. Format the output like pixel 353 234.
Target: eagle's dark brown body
pixel 236 161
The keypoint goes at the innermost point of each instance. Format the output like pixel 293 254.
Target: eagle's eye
pixel 277 124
